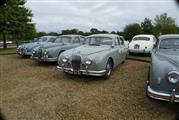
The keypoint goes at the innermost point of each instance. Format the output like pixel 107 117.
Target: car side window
pixel 76 40
pixel 82 40
pixel 117 42
pixel 122 41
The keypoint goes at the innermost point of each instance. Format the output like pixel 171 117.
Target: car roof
pixel 144 35
pixel 169 36
pixel 104 35
pixel 70 35
pixel 48 36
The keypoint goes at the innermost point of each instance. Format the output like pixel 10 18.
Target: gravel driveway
pixel 29 91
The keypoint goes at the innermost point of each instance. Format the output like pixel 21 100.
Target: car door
pixel 119 50
pixel 124 50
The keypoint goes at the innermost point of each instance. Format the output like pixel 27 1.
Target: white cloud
pixel 55 15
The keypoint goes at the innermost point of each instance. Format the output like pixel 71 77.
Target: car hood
pixel 170 55
pixel 88 50
pixel 49 45
pixel 30 44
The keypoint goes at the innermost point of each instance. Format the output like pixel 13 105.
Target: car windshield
pixel 43 39
pixel 141 38
pixel 52 39
pixel 63 40
pixel 97 41
pixel 170 43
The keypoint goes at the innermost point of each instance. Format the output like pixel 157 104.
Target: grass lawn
pixel 7 50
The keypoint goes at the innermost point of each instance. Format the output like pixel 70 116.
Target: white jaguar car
pixel 142 44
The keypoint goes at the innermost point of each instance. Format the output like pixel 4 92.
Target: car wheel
pixel 109 66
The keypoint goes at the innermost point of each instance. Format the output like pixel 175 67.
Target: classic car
pixel 163 78
pixel 26 49
pixel 142 44
pixel 97 57
pixel 50 52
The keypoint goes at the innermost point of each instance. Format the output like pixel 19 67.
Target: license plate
pixel 136 47
pixel 76 72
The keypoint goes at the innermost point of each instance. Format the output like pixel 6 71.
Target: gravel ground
pixel 39 92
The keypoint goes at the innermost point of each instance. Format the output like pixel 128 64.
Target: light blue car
pixel 50 52
pixel 26 49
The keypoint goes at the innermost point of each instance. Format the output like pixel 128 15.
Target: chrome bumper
pixel 44 59
pixel 22 52
pixel 82 72
pixel 163 96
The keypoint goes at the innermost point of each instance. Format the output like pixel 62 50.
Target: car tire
pixel 109 67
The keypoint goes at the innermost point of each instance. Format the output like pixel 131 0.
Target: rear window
pixel 141 38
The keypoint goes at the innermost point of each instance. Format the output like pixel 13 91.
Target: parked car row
pixel 99 54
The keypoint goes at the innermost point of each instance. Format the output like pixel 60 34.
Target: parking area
pixel 32 91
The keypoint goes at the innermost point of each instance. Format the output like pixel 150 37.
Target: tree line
pixel 162 24
pixel 16 24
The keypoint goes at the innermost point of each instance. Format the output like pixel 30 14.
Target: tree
pixel 131 30
pixel 146 26
pixel 164 25
pixel 72 31
pixel 94 31
pixel 53 34
pixel 178 30
pixel 15 19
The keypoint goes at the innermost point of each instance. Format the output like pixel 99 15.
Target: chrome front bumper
pixel 22 52
pixel 82 72
pixel 44 59
pixel 172 97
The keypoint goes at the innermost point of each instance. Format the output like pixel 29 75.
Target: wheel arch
pixel 110 58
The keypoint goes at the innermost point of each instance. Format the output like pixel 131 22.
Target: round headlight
pixel 64 60
pixel 88 62
pixel 173 77
pixel 45 52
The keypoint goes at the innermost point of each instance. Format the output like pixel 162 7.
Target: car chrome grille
pixel 40 53
pixel 76 62
pixel 136 46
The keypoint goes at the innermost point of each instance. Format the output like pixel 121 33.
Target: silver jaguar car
pixel 100 54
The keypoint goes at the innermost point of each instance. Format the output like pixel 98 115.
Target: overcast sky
pixel 110 15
